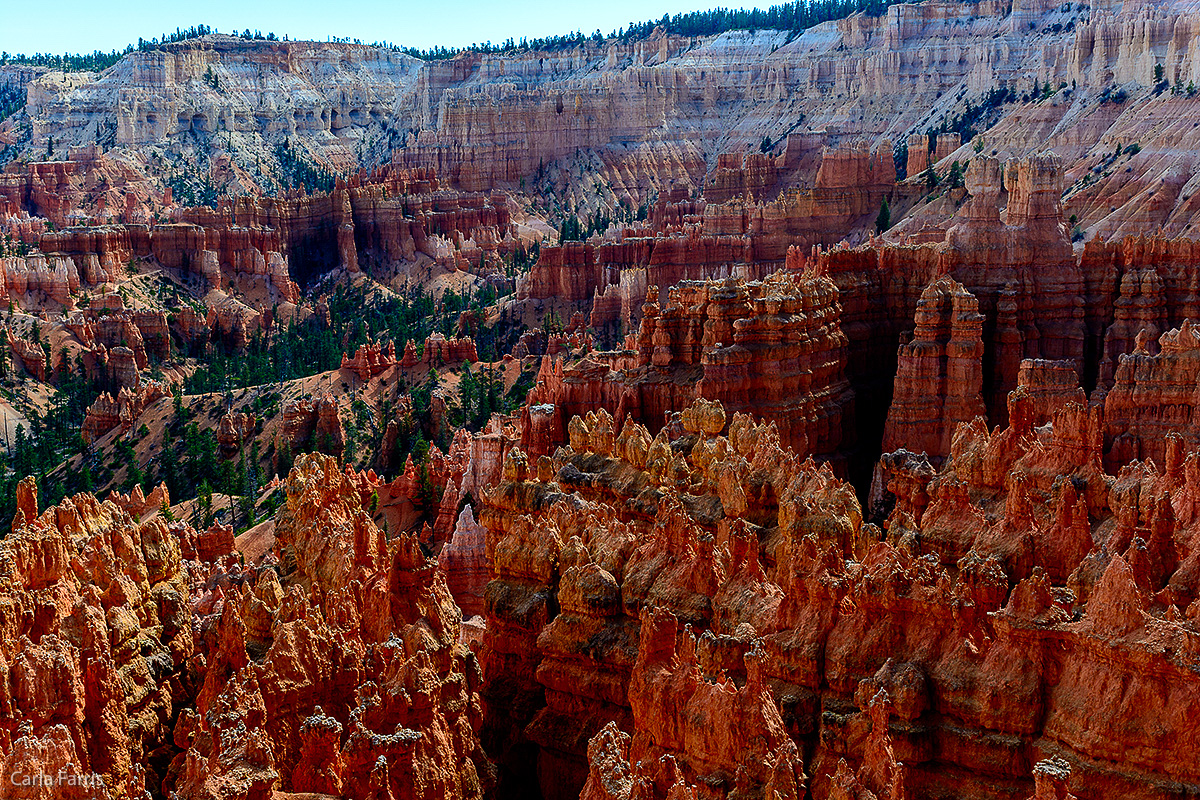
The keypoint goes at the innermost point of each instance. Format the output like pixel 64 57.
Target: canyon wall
pixel 639 117
pixel 773 348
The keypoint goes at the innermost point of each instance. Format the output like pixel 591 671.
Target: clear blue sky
pixel 78 26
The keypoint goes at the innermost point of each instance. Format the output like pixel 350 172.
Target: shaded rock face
pixel 710 616
pixel 233 430
pixel 388 216
pixel 121 369
pixel 464 558
pixel 746 235
pixel 1153 398
pixel 1028 299
pixel 1039 304
pixel 939 378
pixel 317 421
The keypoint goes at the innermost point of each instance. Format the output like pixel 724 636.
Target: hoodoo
pixel 747 404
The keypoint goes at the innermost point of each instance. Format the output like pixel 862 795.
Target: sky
pixel 76 26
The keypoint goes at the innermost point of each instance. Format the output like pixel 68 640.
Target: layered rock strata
pixel 939 378
pixel 774 348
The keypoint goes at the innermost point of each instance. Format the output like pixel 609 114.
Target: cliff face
pixel 372 220
pixel 306 88
pixel 773 348
pixel 654 113
pixel 1153 397
pixel 1023 295
pixel 746 629
pixel 744 231
pixel 243 264
pixel 110 412
pixel 636 119
pixel 262 247
pixel 939 379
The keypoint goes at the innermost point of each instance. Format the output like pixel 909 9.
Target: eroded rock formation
pixel 370 359
pixel 316 421
pixel 29 355
pixel 109 412
pixel 344 675
pixel 773 348
pixel 749 616
pixel 100 647
pixel 669 598
pixel 939 377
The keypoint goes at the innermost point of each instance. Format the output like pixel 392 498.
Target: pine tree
pixel 242 479
pixel 931 178
pixel 283 462
pixel 884 220
pixel 955 179
pixel 169 466
pixel 206 504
